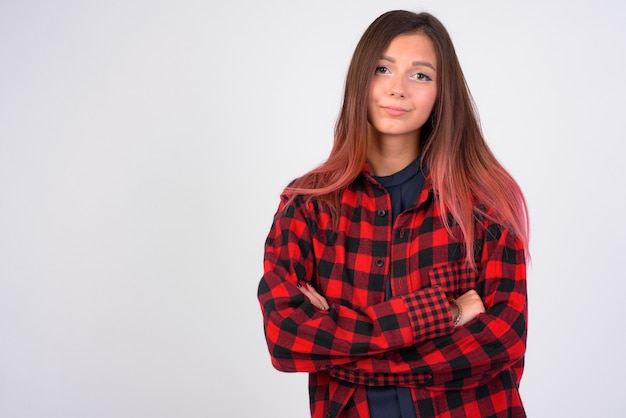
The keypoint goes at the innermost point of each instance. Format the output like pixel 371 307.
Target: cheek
pixel 428 98
pixel 375 90
pixel 426 102
pixel 372 100
pixel 371 96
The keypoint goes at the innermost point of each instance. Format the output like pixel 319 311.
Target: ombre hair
pixel 466 176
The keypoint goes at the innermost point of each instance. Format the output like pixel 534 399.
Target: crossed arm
pixel 400 340
pixel 467 306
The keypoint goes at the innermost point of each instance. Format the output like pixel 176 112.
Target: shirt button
pixel 382 212
pixel 380 263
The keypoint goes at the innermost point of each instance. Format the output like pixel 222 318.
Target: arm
pixel 475 352
pixel 303 338
pixel 463 309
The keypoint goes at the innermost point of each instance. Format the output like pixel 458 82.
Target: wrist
pixel 457 312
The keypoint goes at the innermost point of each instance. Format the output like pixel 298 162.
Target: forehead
pixel 417 44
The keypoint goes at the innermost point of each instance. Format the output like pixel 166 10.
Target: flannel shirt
pixel 409 339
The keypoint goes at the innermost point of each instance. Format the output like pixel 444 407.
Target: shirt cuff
pixel 429 313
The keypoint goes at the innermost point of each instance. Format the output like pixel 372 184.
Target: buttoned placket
pixel 399 241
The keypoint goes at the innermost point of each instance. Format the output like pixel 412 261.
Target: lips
pixel 394 111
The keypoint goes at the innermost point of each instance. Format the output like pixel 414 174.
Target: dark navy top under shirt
pixel 404 187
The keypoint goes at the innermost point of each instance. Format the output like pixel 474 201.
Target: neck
pixel 389 154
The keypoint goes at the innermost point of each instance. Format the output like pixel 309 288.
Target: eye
pixel 422 77
pixel 381 70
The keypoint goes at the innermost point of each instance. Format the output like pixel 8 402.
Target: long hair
pixel 466 176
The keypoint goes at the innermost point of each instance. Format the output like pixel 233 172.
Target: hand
pixel 471 306
pixel 315 298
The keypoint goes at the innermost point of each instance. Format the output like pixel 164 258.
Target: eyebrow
pixel 414 63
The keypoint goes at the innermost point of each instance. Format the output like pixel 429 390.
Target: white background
pixel 143 147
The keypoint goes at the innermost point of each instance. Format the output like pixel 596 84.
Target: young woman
pixel 395 272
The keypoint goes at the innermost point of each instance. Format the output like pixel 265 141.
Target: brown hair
pixel 463 168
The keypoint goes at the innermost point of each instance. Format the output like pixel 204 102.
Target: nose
pixel 396 88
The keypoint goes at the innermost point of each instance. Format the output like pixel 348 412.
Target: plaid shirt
pixel 409 339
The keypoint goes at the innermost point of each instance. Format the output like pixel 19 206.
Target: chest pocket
pixel 455 278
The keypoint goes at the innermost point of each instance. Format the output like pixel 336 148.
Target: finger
pixel 315 298
pixel 313 295
pixel 306 293
pixel 323 304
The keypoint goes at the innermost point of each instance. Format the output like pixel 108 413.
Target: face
pixel 404 87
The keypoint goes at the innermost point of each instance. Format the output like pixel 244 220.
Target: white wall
pixel 143 145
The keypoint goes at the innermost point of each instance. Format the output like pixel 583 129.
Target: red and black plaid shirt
pixel 409 339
